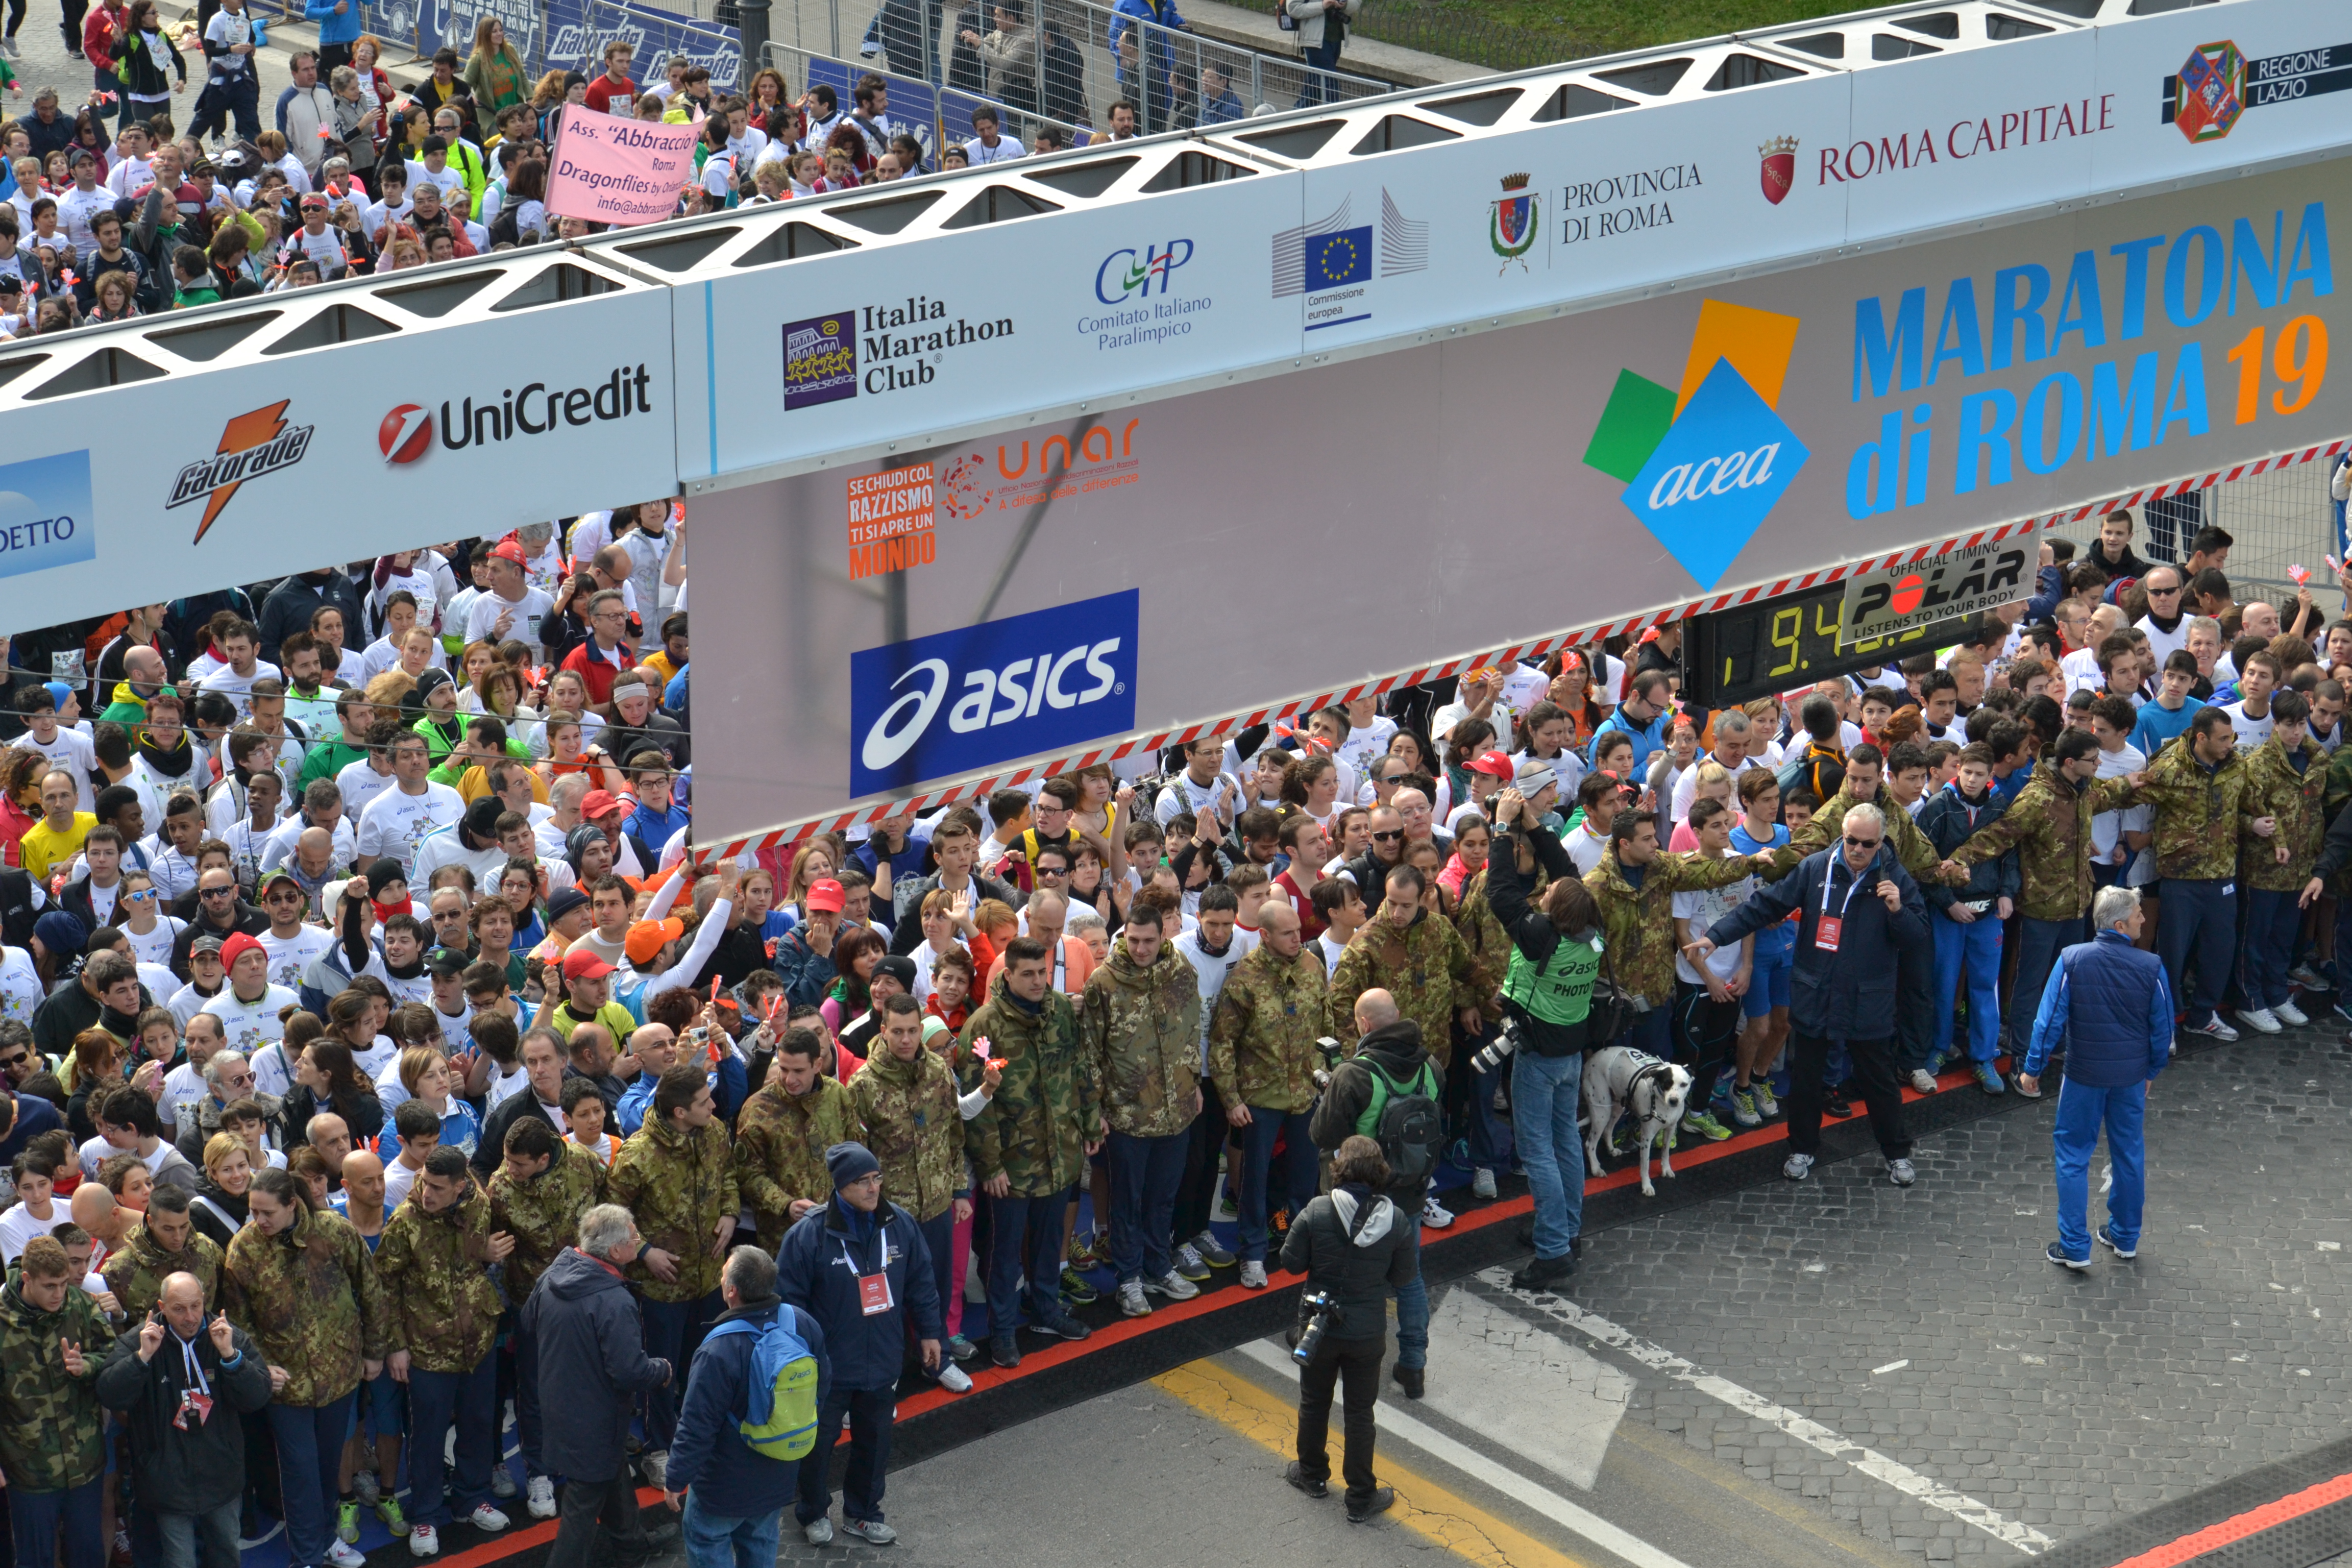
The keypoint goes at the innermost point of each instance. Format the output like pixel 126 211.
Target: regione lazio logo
pixel 1703 465
pixel 1780 169
pixel 2209 93
pixel 960 700
pixel 1511 227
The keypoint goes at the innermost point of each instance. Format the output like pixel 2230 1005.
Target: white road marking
pixel 1510 1483
pixel 1804 1429
pixel 1528 1391
pixel 1890 1366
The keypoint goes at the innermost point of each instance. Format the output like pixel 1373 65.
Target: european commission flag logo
pixel 1334 260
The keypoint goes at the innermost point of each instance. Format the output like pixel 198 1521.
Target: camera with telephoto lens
pixel 1330 1049
pixel 1498 1050
pixel 1317 1314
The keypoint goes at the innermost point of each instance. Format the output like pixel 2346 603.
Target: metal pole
pixel 834 6
pixel 753 23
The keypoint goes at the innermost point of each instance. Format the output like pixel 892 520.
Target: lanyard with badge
pixel 195 1399
pixel 1826 930
pixel 873 1289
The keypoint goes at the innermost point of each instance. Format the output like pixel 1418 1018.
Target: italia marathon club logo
pixel 1703 464
pixel 2218 85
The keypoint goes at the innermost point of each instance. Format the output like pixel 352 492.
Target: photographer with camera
pixel 1352 1244
pixel 1548 994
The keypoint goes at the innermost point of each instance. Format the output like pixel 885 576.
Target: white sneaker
pixel 818 1531
pixel 954 1378
pixel 543 1497
pixel 1923 1080
pixel 2260 1019
pixel 1434 1214
pixel 486 1518
pixel 1174 1286
pixel 1481 1184
pixel 2289 1015
pixel 343 1556
pixel 1130 1298
pixel 1797 1167
pixel 2213 1028
pixel 424 1540
pixel 501 1483
pixel 654 1467
pixel 1253 1276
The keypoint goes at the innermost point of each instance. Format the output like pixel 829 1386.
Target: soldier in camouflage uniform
pixel 1139 1021
pixel 1263 1058
pixel 542 1187
pixel 164 1244
pixel 304 1287
pixel 783 1133
pixel 53 1341
pixel 1416 957
pixel 1030 1143
pixel 2287 780
pixel 2197 786
pixel 2049 826
pixel 1637 923
pixel 677 1177
pixel 436 1262
pixel 1864 774
pixel 905 1097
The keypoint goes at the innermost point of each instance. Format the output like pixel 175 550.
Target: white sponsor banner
pixel 824 354
pixel 1909 594
pixel 251 471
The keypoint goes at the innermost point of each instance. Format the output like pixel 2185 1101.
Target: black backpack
pixel 1407 1123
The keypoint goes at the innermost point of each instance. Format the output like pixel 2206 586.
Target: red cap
pixel 237 945
pixel 596 803
pixel 825 894
pixel 511 549
pixel 1494 762
pixel 580 964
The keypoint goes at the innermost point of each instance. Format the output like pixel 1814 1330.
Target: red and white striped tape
pixel 973 790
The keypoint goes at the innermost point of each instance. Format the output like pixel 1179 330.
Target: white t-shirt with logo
pixel 290 956
pixel 250 1026
pixel 396 822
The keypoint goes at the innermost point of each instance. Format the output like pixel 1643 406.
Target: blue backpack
pixel 780 1419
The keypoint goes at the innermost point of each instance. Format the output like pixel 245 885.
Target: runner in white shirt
pixel 511 608
pixel 248 1007
pixel 292 945
pixel 363 781
pixel 396 821
pixel 67 747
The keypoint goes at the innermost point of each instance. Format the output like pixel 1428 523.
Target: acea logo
pixel 957 701
pixel 1703 465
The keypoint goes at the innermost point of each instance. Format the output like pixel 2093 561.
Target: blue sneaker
pixel 2106 1234
pixel 1988 1079
pixel 2057 1255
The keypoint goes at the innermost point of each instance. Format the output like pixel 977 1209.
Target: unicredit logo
pixel 405 434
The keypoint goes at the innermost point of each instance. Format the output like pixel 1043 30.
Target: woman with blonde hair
pixel 219 1207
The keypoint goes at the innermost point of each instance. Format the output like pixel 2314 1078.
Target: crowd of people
pixel 371 1031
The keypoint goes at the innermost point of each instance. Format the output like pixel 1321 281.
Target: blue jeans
pixel 718 1540
pixel 1314 86
pixel 2200 919
pixel 2081 1113
pixel 526 1395
pixel 437 1400
pixel 1304 1175
pixel 1491 1145
pixel 1144 1175
pixel 1413 1310
pixel 673 1332
pixel 309 1463
pixel 1023 1231
pixel 869 1412
pixel 1544 1093
pixel 181 1534
pixel 36 1518
pixel 2272 922
pixel 939 1234
pixel 2037 943
pixel 1974 946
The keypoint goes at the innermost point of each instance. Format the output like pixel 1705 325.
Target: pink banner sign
pixel 609 169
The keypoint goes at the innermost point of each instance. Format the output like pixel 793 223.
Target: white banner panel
pixel 2262 80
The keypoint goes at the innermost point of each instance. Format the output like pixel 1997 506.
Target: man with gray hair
pixel 2111 1007
pixel 592 1368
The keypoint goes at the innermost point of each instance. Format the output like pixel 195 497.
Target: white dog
pixel 1622 1079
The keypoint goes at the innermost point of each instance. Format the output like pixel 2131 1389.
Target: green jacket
pixel 52 1432
pixel 136 1270
pixel 2201 812
pixel 680 1186
pixel 1911 846
pixel 311 1301
pixel 543 1213
pixel 2049 826
pixel 1637 924
pixel 436 1268
pixel 1048 1103
pixel 1269 1014
pixel 2277 787
pixel 326 758
pixel 1428 970
pixel 780 1144
pixel 1141 1030
pixel 908 1111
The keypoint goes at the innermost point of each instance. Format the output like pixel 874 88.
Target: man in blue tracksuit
pixel 1967 920
pixel 2111 1007
pixel 732 1493
pixel 860 1267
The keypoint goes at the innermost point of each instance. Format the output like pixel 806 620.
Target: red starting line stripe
pixel 2253 1522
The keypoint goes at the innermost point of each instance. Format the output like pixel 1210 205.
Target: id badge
pixel 1825 932
pixel 191 1402
pixel 874 1294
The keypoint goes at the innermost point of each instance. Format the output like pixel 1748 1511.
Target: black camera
pixel 1499 1049
pixel 1330 1049
pixel 1318 1313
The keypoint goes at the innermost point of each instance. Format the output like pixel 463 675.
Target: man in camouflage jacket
pixel 53 1342
pixel 1030 1143
pixel 166 1243
pixel 1635 885
pixel 542 1187
pixel 1416 956
pixel 905 1097
pixel 1139 1020
pixel 783 1133
pixel 435 1260
pixel 1263 1058
pixel 2287 781
pixel 2049 826
pixel 677 1175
